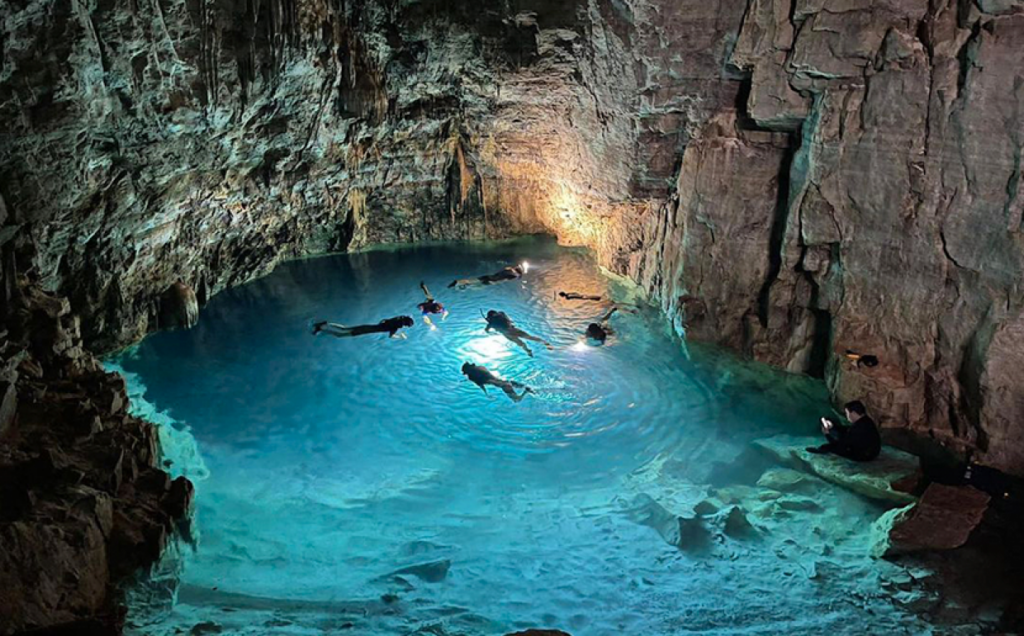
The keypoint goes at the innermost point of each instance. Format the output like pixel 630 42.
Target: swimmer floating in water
pixel 481 377
pixel 508 273
pixel 578 296
pixel 598 332
pixel 500 322
pixel 431 306
pixel 598 299
pixel 389 326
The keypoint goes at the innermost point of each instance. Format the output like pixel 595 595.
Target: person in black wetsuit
pixel 431 306
pixel 389 326
pixel 599 332
pixel 578 296
pixel 481 377
pixel 860 441
pixel 508 273
pixel 500 322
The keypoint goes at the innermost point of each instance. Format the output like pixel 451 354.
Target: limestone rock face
pixel 203 142
pixel 897 228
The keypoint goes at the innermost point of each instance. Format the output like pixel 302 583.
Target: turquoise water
pixel 364 486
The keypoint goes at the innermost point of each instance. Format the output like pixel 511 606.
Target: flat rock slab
pixel 942 520
pixel 433 572
pixel 884 478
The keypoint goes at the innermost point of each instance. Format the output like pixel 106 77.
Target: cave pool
pixel 363 486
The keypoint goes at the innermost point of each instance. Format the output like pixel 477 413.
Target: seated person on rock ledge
pixel 860 441
pixel 508 273
pixel 389 326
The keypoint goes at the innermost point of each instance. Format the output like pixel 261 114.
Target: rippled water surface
pixel 324 466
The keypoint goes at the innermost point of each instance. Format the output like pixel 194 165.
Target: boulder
pixel 735 524
pixel 686 533
pixel 942 520
pixel 888 478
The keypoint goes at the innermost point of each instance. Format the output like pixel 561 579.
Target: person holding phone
pixel 859 441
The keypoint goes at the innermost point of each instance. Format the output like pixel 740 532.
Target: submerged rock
pixel 685 533
pixel 787 480
pixel 885 478
pixel 433 572
pixel 942 520
pixel 736 524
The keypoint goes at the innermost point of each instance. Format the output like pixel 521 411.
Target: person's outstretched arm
pixel 426 292
pixel 609 314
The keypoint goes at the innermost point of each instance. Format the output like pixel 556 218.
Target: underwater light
pixel 579 346
pixel 485 350
pixel 525 266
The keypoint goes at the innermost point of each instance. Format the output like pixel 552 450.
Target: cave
pixel 469 319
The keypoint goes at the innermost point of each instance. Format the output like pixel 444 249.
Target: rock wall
pixel 83 501
pixel 789 178
pixel 898 229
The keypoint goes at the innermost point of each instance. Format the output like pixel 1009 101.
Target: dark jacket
pixel 859 441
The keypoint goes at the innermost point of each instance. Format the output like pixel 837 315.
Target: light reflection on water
pixel 335 461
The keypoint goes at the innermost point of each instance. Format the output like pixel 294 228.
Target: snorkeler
pixel 599 332
pixel 389 326
pixel 598 299
pixel 431 306
pixel 508 273
pixel 500 322
pixel 481 377
pixel 578 296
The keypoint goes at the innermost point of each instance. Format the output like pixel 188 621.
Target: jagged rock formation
pixel 83 503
